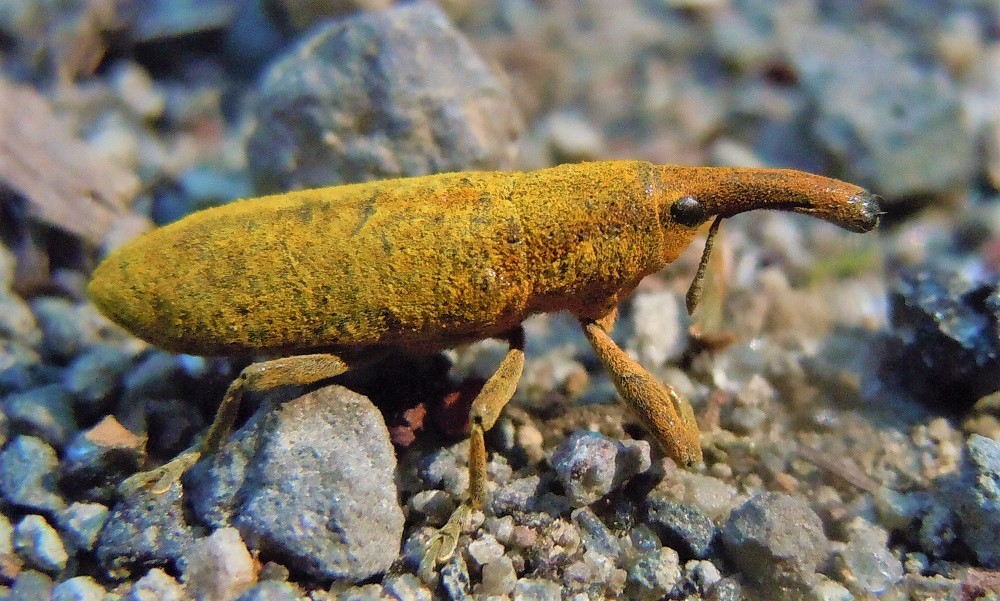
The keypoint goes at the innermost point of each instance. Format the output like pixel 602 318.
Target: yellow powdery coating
pixel 424 263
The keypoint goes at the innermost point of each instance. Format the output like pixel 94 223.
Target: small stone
pixel 654 574
pixel 65 332
pixel 744 421
pixel 39 544
pixel 94 375
pixel 660 327
pixel 218 566
pixel 31 585
pixel 102 456
pixel 590 465
pixel 711 496
pixel 436 505
pixel 775 539
pixel 681 527
pixel 485 550
pixel 27 475
pixel 868 563
pixel 311 482
pixel 17 322
pixel 406 587
pixel 396 93
pixel 727 589
pixel 79 588
pixel 134 86
pixel 80 523
pixel 825 589
pixel 521 495
pixel 594 534
pixel 571 138
pixel 975 496
pixel 444 469
pixel 45 412
pixel 703 574
pixel 156 585
pixel 145 529
pixel 455 577
pixel 537 589
pixel 271 591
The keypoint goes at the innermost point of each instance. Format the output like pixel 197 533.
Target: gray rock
pixel 594 534
pixel 218 566
pixel 145 529
pixel 79 588
pixel 498 578
pixel 156 585
pixel 455 578
pixel 975 497
pixel 407 587
pixel 31 585
pixel 901 131
pixel 46 413
pixel 654 575
pixel 27 475
pixel 868 563
pixel 17 321
pixel 775 539
pixel 39 544
pixel 395 93
pixel 94 375
pixel 80 523
pixel 101 457
pixel 270 591
pixel 537 589
pixel 590 465
pixel 64 331
pixel 311 484
pixel 681 527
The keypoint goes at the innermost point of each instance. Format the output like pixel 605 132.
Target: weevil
pixel 331 278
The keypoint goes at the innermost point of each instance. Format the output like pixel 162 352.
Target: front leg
pixel 662 410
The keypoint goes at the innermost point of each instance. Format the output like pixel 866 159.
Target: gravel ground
pixel 846 386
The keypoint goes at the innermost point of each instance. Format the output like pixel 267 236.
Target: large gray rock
pixel 310 484
pixel 975 497
pixel 378 95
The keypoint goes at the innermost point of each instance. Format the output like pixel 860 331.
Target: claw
pixel 159 480
pixel 443 543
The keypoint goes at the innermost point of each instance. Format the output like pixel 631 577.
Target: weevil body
pixel 332 275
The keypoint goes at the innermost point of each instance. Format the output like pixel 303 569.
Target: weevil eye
pixel 688 211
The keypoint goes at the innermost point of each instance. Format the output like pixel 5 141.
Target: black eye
pixel 688 211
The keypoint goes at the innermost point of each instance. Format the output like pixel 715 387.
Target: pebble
pixel 80 523
pixel 134 86
pixel 28 475
pixel 436 505
pixel 900 133
pixel 868 563
pixel 949 346
pixel 498 577
pixel 455 577
pixel 65 331
pixel 311 481
pixel 395 93
pixel 145 529
pixel 218 566
pixel 101 456
pixel 713 497
pixel 94 375
pixel 654 575
pixel 45 412
pixel 537 589
pixel 571 138
pixel 775 539
pixel 39 544
pixel 594 534
pixel 682 527
pixel 31 585
pixel 975 497
pixel 79 588
pixel 485 550
pixel 17 322
pixel 590 465
pixel 660 328
pixel 704 574
pixel 156 585
pixel 406 587
pixel 271 591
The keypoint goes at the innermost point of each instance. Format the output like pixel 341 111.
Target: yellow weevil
pixel 331 278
